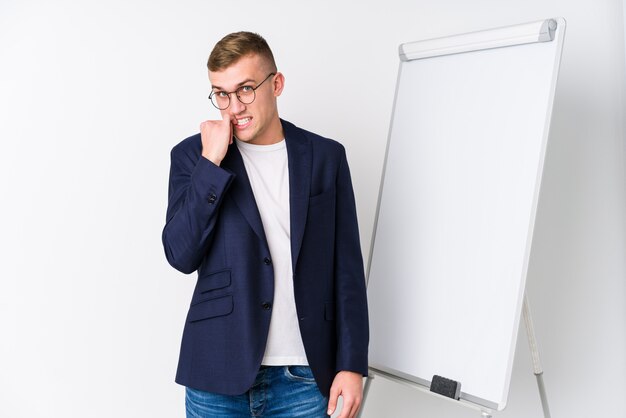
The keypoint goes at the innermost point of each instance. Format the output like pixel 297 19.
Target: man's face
pixel 257 122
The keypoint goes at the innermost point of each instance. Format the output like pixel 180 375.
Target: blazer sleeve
pixel 350 292
pixel 196 190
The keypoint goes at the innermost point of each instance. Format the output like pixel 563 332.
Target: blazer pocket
pixel 213 281
pixel 329 311
pixel 210 308
pixel 326 196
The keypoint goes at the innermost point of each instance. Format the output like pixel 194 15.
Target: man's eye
pixel 246 89
pixel 221 94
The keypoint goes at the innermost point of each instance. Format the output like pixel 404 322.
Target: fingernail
pixel 329 412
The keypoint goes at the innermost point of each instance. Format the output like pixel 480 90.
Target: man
pixel 265 212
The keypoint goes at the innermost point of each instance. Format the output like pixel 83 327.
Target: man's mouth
pixel 242 121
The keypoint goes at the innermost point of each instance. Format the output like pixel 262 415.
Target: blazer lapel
pixel 241 191
pixel 299 156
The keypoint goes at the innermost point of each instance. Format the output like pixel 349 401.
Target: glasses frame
pixel 237 92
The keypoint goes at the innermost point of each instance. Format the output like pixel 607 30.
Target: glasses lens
pixel 246 94
pixel 219 101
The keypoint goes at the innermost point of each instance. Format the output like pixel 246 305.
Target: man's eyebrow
pixel 248 80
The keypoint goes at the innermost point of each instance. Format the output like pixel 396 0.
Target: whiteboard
pixel 457 206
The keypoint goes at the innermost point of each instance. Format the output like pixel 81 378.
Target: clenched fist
pixel 216 136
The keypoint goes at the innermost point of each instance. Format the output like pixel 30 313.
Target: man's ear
pixel 279 84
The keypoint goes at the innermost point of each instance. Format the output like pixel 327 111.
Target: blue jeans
pixel 277 392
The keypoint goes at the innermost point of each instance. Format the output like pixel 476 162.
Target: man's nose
pixel 236 106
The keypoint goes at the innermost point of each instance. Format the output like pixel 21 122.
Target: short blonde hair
pixel 232 47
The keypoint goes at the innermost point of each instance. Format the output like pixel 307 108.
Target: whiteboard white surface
pixel 456 214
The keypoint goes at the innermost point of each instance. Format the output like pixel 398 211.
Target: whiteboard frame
pixel 546 30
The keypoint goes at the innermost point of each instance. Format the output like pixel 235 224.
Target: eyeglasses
pixel 245 94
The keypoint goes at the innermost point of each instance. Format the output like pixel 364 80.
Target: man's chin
pixel 244 135
pixel 245 138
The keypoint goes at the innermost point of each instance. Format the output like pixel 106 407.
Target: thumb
pixel 226 121
pixel 332 401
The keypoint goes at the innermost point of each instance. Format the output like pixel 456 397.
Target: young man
pixel 265 212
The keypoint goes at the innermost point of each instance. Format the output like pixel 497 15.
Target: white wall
pixel 95 94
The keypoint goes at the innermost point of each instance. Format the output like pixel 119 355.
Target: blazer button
pixel 212 198
pixel 267 261
pixel 267 306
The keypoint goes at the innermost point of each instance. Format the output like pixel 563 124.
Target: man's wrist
pixel 213 159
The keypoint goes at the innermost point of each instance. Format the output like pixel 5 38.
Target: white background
pixel 93 95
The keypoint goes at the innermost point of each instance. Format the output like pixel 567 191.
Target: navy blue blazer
pixel 213 226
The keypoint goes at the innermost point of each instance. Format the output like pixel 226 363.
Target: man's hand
pixel 350 386
pixel 216 136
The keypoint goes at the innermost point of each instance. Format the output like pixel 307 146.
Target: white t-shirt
pixel 268 171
